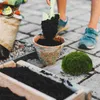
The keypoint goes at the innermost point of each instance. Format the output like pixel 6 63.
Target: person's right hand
pixel 48 2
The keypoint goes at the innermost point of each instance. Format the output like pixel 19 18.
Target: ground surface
pixel 78 12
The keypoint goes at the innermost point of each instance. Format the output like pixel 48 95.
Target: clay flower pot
pixel 48 54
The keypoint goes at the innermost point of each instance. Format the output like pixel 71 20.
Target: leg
pixel 63 22
pixel 95 13
pixel 88 41
pixel 62 8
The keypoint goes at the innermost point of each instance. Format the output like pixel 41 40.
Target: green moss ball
pixel 77 63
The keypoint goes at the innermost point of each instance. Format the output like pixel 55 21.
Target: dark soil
pixel 50 27
pixel 4 53
pixel 39 82
pixel 6 94
pixel 47 42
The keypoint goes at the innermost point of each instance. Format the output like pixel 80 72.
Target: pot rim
pixel 34 42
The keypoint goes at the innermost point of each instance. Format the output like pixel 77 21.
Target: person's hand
pixel 48 2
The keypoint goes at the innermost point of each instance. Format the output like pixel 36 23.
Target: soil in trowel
pixel 6 94
pixel 49 28
pixel 39 82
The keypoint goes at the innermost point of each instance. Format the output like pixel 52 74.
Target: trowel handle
pixel 52 3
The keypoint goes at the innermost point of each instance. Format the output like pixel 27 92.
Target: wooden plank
pixel 8 64
pixel 79 95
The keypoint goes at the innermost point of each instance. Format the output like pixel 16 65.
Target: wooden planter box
pixel 21 89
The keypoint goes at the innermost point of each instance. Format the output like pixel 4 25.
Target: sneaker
pixel 88 41
pixel 62 26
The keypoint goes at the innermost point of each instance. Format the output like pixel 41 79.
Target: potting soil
pixel 6 94
pixel 4 53
pixel 39 82
pixel 47 42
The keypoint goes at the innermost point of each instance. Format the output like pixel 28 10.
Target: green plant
pixel 77 63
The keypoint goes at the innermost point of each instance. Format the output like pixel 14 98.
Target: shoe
pixel 89 40
pixel 62 26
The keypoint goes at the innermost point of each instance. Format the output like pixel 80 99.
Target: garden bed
pixel 49 84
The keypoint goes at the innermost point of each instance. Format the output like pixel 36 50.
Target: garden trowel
pixel 50 22
pixel 51 13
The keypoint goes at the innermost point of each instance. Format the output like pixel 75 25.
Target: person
pixel 89 39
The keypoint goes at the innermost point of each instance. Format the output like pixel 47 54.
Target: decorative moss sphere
pixel 77 63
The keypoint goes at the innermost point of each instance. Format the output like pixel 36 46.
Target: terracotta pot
pixel 48 54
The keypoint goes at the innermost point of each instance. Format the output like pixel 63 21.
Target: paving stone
pixel 98 69
pixel 93 83
pixel 98 54
pixel 74 45
pixel 23 22
pixel 87 6
pixel 42 7
pixel 80 30
pixel 35 62
pixel 27 5
pixel 36 32
pixel 76 12
pixel 56 69
pixel 26 14
pixel 27 41
pixel 65 51
pixel 78 4
pixel 73 27
pixel 69 8
pixel 84 17
pixel 32 8
pixel 67 42
pixel 75 3
pixel 79 22
pixel 35 19
pixel 21 36
pixel 73 36
pixel 94 99
pixel 36 13
pixel 95 60
pixel 28 28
